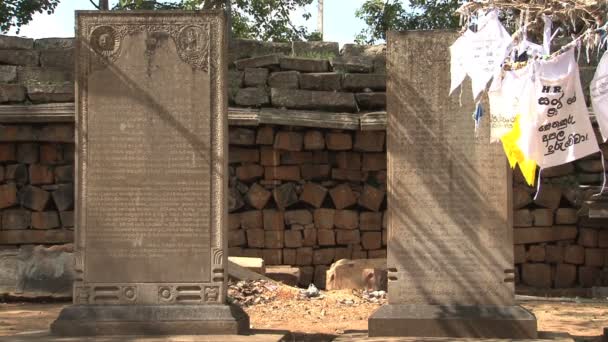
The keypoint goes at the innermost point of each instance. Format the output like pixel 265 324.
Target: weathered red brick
pixel 51 154
pixel 347 237
pixel 34 198
pixel 243 155
pixel 346 219
pixel 272 256
pixel 342 196
pixel 257 196
pixel 249 172
pixel 348 175
pixel 371 198
pixel 337 141
pixel 315 171
pixel 323 256
pixel 8 195
pixel 252 219
pixel 371 240
pixel 285 173
pixel 565 276
pixel 587 237
pixel 41 174
pixel 314 140
pixel 288 141
pixel 255 238
pixel 237 238
pixel 274 219
pixel 313 194
pixel 373 162
pixel 574 254
pixel 293 238
pixel 536 275
pixel 270 156
pixel 370 220
pixel 296 157
pixel 369 141
pixel 588 276
pixel 45 219
pixel 285 195
pixel 7 152
pixel 594 257
pixel 536 253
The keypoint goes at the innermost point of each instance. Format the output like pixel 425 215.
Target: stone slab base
pixel 96 320
pixel 254 337
pixel 453 321
pixel 542 337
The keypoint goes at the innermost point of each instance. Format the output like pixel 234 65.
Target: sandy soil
pixel 335 314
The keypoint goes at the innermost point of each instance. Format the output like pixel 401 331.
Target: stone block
pixel 255 238
pixel 326 237
pixel 327 81
pixel 274 219
pixel 284 80
pixel 252 97
pixel 15 43
pixel 265 135
pixel 371 101
pixel 587 237
pixel 67 219
pixel 17 133
pixel 7 152
pixel 302 217
pixel 346 219
pixel 574 254
pixel 241 136
pixel 370 221
pixel 313 194
pixel 270 156
pixel 522 218
pixel 8 195
pixel 289 258
pixel 371 198
pixel 320 276
pixel 237 238
pixel 358 252
pixel 589 276
pixel 63 197
pixel 63 58
pixel 543 217
pixel 565 276
pixel 594 257
pixel 285 195
pixel 343 196
pixel 296 157
pixel 353 64
pixel 348 160
pixel 20 57
pixel 11 93
pixel 27 153
pixel 373 162
pixel 369 141
pixel 17 173
pixel 272 256
pixel 344 252
pixel 315 171
pixel 57 133
pixel 235 82
pixel 54 43
pixel 314 140
pixel 15 219
pixel 284 173
pixel 347 237
pixel 243 155
pixel 536 253
pixel 371 240
pixel 45 220
pixel 35 236
pixel 566 216
pixel 257 196
pixel 521 197
pixel 293 238
pixel 41 174
pixel 338 141
pixel 306 276
pixel 250 172
pixel 33 75
pixel 313 100
pixel 310 237
pixel 253 252
pixel 316 48
pixel 255 77
pixel 543 234
pixel 554 254
pixel 8 73
pixel 258 62
pixel 519 254
pixel 549 196
pixel 304 64
pixel 304 256
pixel 55 92
pixel 324 218
pixel 558 171
pixel 235 200
pixel 323 256
pixel 590 165
pixel 361 82
pixel 234 221
pixel 536 275
pixel 348 175
pixel 288 141
pixel 252 219
pixel 602 239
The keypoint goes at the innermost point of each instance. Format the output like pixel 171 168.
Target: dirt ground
pixel 334 314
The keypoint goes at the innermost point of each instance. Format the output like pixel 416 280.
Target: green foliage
pixel 381 16
pixel 16 13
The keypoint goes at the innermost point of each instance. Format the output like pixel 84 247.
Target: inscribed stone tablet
pixel 449 206
pixel 151 127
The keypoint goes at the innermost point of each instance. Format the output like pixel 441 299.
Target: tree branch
pixel 94 4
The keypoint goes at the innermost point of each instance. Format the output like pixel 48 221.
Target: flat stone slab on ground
pixel 362 337
pixel 256 336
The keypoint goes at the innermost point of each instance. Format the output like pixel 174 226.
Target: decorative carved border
pixel 187 29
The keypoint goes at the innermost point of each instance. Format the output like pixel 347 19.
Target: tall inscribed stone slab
pixel 152 176
pixel 450 244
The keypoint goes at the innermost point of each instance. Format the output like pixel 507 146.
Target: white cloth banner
pixel 599 95
pixel 458 58
pixel 505 94
pixel 556 128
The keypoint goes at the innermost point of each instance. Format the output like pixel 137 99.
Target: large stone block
pixel 288 141
pixel 301 217
pixel 284 80
pixel 519 254
pixel 522 218
pixel 315 171
pixel 243 155
pixel 371 240
pixel 326 237
pixel 304 256
pixel 348 175
pixel 347 237
pixel 272 256
pixel 7 152
pixel 359 82
pixel 293 238
pixel 17 43
pixel 64 197
pixel 274 238
pixel 543 217
pixel 549 196
pixel 346 219
pixel 255 238
pixel 252 219
pixel 8 195
pixel 17 173
pixel 296 157
pixel 12 93
pixel 324 218
pixel 27 153
pixel 536 275
pixel 310 237
pixel 369 141
pixel 53 43
pixel 314 140
pixel 338 141
pixel 565 276
pixel 45 220
pixel 56 92
pixel 328 81
pixel 588 237
pixel 356 64
pixel 41 174
pixel 15 219
pixel 258 62
pixel 566 216
pixel 241 136
pixel 8 73
pixel 304 64
pixel 274 219
pixel 32 75
pixel 574 254
pixel 373 162
pixel 343 196
pixel 589 276
pixel 255 77
pixel 270 156
pixel 323 256
pixel 63 58
pixel 594 257
pixel 257 196
pixel 252 97
pixel 554 254
pixel 249 172
pixel 371 101
pixel 306 99
pixel 371 197
pixel 329 49
pixel 543 234
pixel 536 253
pixel 313 194
pixel 20 57
pixel 283 173
pixel 370 221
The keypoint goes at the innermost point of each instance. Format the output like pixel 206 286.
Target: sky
pixel 340 24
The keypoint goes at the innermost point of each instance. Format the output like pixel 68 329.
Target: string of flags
pixel 537 107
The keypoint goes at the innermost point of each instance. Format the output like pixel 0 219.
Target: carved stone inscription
pixel 450 234
pixel 148 155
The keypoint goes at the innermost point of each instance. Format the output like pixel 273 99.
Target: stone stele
pixel 150 247
pixel 450 244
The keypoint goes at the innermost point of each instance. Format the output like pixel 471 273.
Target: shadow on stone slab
pixel 147 320
pixel 417 320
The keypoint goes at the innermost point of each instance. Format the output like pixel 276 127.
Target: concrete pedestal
pixel 95 320
pixel 453 321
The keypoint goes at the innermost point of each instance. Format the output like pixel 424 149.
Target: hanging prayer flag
pixel 558 129
pixel 515 156
pixel 599 95
pixel 458 59
pixel 504 95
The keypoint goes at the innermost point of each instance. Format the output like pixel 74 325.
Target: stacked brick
pixel 36 71
pixel 307 197
pixel 556 244
pixel 351 82
pixel 36 183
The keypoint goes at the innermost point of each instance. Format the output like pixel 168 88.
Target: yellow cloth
pixel 515 154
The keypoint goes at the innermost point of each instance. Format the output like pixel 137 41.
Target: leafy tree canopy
pixel 381 16
pixel 16 13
